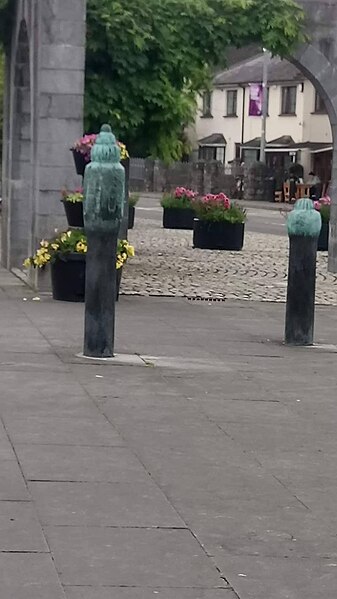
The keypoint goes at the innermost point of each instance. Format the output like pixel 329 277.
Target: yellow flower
pixel 68 234
pixel 119 264
pixel 124 256
pixel 44 243
pixel 55 246
pixel 130 251
pixel 27 263
pixel 64 237
pixel 81 247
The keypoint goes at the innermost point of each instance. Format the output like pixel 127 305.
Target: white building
pixel 298 128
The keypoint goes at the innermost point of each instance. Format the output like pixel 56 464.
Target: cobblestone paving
pixel 167 265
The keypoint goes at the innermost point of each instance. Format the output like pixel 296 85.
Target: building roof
pixel 216 139
pixel 251 71
pixel 286 142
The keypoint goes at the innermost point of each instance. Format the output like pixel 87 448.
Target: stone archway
pixel 19 189
pixel 43 116
pixel 318 61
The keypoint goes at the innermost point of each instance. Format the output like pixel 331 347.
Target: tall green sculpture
pixel 304 225
pixel 104 191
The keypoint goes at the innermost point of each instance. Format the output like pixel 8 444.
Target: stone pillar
pixel 44 117
pixel 256 183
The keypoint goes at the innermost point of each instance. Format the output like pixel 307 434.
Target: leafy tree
pixel 148 59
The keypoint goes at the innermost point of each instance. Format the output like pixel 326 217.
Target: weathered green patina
pixel 304 220
pixel 104 192
pixel 104 185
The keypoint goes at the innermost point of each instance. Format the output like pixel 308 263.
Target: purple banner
pixel 255 99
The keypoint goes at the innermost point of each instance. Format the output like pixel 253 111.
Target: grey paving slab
pixel 292 532
pixel 279 578
pixel 146 593
pixel 20 530
pixel 29 576
pixel 29 361
pixel 131 557
pixel 12 483
pixel 102 504
pixel 79 463
pixel 94 431
pixel 6 449
pixel 42 394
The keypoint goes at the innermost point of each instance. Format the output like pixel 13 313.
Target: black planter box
pixel 68 278
pixel 131 221
pixel 74 213
pixel 80 162
pixel 323 240
pixel 178 218
pixel 209 235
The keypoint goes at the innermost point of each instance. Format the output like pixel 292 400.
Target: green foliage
pixel 171 201
pixel 325 213
pixel 73 197
pixel 219 213
pixel 148 59
pixel 133 199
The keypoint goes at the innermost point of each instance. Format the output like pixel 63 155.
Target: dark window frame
pixel 288 103
pixel 232 106
pixel 319 107
pixel 207 99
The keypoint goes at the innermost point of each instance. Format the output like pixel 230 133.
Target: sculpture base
pixel 100 294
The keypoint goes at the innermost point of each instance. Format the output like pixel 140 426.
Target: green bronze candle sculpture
pixel 104 191
pixel 304 225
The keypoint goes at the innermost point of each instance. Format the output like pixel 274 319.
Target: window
pixel 289 96
pixel 232 102
pixel 209 153
pixel 207 104
pixel 319 104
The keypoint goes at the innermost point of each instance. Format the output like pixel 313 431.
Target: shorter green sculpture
pixel 104 191
pixel 304 220
pixel 304 225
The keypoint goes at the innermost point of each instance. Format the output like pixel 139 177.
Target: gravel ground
pixel 167 265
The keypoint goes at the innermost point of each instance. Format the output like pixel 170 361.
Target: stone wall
pixel 43 116
pixel 203 177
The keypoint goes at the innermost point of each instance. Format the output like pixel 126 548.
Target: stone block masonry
pixel 43 116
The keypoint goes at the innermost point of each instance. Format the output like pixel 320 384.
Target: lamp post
pixel 266 58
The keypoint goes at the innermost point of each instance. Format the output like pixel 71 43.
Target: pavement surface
pixel 205 469
pixel 167 265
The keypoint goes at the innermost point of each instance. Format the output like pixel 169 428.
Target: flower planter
pixel 178 218
pixel 74 213
pixel 323 240
pixel 131 221
pixel 80 162
pixel 68 278
pixel 208 235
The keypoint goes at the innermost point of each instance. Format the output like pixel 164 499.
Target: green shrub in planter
pixel 219 223
pixel 178 209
